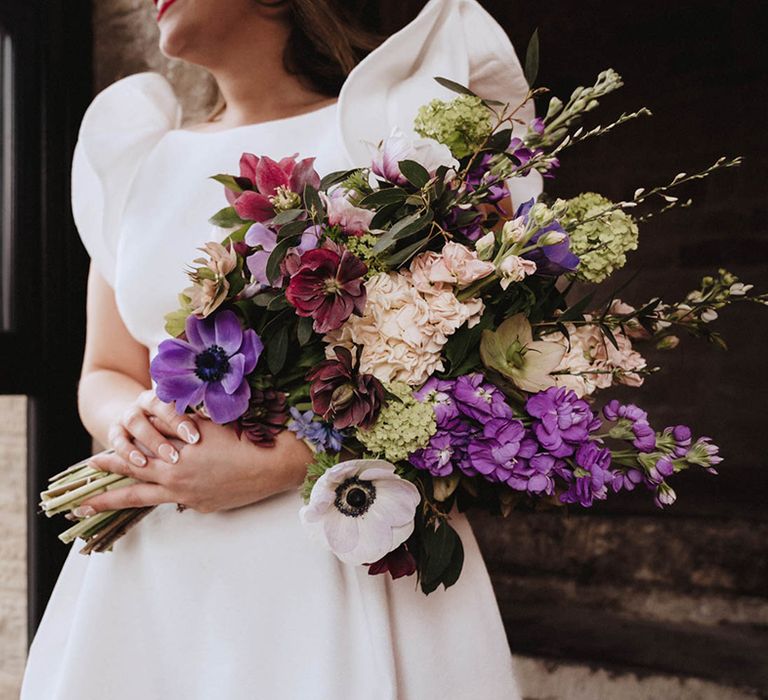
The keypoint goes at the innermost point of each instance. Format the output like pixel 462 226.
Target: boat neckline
pixel 267 123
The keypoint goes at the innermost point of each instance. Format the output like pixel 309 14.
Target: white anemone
pixel 362 509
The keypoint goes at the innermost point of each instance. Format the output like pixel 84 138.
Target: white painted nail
pixel 168 453
pixel 84 511
pixel 137 458
pixel 188 432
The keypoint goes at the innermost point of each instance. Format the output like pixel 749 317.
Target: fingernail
pixel 84 511
pixel 188 432
pixel 137 458
pixel 168 453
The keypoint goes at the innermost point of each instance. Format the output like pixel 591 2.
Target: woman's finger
pixel 153 471
pixel 132 496
pixel 139 427
pixel 182 425
pixel 121 442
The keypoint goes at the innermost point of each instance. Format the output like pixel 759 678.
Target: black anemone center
pixel 354 497
pixel 211 364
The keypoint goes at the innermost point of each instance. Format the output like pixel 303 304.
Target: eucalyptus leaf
pixel 532 59
pixel 226 218
pixel 383 197
pixel 229 181
pixel 285 217
pixel 414 172
pixel 294 228
pixel 384 215
pixel 304 330
pixel 335 177
pixel 277 348
pixel 456 87
pixel 401 256
pixel 277 255
pixel 412 224
pixel 313 202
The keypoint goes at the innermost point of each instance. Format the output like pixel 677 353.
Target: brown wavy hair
pixel 328 38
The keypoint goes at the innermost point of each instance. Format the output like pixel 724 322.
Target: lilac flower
pixel 614 410
pixel 479 399
pixel 438 392
pixel 592 477
pixel 645 437
pixel 480 176
pixel 632 424
pixel 663 468
pixel 562 421
pixel 322 435
pixel 681 434
pixel 211 366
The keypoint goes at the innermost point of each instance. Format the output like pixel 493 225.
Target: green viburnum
pixel 404 425
pixel 362 247
pixel 602 243
pixel 322 462
pixel 463 124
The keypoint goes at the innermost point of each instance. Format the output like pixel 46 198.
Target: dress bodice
pixel 141 188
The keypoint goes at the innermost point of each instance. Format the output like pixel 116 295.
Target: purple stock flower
pixel 480 175
pixel 681 434
pixel 645 437
pixel 663 468
pixel 595 460
pixel 210 366
pixel 626 480
pixel 494 455
pixel 439 456
pixel 614 410
pixel 562 421
pixel 554 259
pixel 438 392
pixel 479 399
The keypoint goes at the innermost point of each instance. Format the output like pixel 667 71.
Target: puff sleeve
pixel 455 39
pixel 119 128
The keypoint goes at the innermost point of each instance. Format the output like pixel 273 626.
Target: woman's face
pixel 197 30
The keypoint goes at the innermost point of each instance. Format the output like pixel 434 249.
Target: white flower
pixel 430 154
pixel 362 509
pixel 515 269
pixel 514 230
pixel 485 246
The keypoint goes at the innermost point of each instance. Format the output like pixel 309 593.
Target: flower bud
pixel 514 231
pixel 670 342
pixel 552 238
pixel 486 245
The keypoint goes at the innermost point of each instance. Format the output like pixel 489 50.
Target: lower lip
pixel 165 9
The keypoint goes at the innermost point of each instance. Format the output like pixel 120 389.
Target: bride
pixel 230 599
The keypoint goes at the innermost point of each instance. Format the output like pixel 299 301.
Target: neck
pixel 253 80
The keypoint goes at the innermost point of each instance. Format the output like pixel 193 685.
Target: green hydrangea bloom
pixel 403 425
pixel 601 244
pixel 362 247
pixel 463 124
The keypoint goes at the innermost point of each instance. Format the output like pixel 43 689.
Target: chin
pixel 195 30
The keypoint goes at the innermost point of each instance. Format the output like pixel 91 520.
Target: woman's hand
pixel 219 472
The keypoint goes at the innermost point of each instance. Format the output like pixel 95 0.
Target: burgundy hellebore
pixel 261 177
pixel 342 396
pixel 328 286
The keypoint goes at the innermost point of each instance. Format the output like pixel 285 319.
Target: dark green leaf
pixel 238 235
pixel 439 545
pixel 383 197
pixel 383 216
pixel 277 255
pixel 228 181
pixel 532 59
pixel 500 140
pixel 608 333
pixel 414 172
pixel 277 348
pixel 277 303
pixel 285 217
pixel 226 218
pixel 463 339
pixel 335 177
pixel 386 240
pixel 453 570
pixel 304 330
pixel 313 202
pixel 401 256
pixel 294 228
pixel 412 224
pixel 576 311
pixel 456 87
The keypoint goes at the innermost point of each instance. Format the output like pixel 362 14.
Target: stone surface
pixel 13 533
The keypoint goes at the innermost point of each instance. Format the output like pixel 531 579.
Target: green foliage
pixel 322 462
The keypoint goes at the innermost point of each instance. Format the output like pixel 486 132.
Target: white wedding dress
pixel 241 604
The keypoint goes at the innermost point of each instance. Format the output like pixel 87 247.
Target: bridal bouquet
pixel 436 350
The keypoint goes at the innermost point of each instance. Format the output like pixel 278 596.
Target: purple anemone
pixel 210 366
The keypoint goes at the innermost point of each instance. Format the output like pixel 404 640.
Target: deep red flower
pixel 342 396
pixel 266 416
pixel 399 562
pixel 328 286
pixel 261 177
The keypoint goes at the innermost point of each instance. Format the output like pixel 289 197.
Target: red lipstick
pixel 163 8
